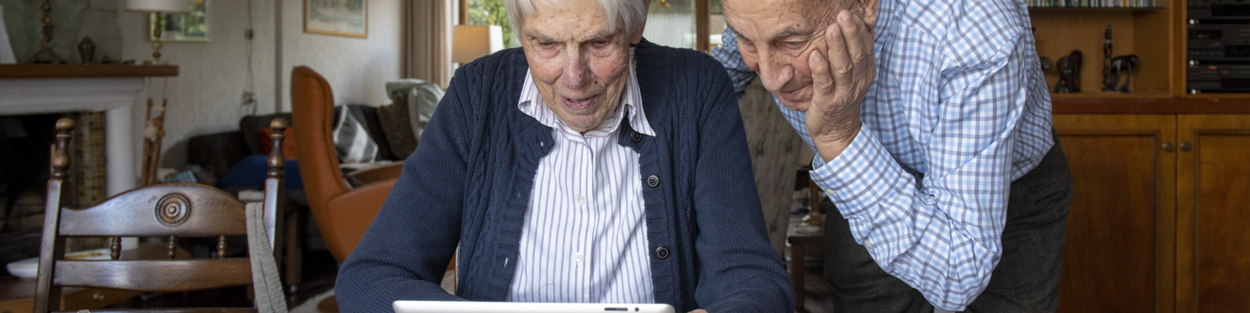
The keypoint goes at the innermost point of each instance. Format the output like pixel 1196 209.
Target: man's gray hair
pixel 631 14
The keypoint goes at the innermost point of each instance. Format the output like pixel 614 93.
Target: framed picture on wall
pixel 348 18
pixel 182 27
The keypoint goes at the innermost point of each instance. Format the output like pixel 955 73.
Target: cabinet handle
pixel 1169 147
pixel 1185 146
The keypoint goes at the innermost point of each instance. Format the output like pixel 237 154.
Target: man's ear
pixel 646 9
pixel 870 11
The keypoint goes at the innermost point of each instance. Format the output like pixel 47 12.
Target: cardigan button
pixel 653 181
pixel 636 136
pixel 661 252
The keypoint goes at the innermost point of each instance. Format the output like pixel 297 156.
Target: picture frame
pixel 347 18
pixel 192 26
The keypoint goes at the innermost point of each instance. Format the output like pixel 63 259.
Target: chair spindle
pixel 60 151
pixel 276 160
pixel 221 247
pixel 172 247
pixel 115 248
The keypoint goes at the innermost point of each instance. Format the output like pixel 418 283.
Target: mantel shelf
pixel 18 71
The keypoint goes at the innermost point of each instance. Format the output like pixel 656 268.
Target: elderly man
pixel 577 169
pixel 931 125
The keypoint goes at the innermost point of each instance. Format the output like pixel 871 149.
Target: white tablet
pixel 525 307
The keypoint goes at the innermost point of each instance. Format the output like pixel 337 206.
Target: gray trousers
pixel 1027 276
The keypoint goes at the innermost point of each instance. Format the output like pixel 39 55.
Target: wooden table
pixel 18 296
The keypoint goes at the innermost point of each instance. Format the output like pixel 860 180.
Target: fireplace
pixel 100 98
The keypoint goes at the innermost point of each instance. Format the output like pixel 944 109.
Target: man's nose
pixel 576 70
pixel 775 71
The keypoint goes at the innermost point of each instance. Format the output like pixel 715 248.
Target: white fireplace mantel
pixel 115 96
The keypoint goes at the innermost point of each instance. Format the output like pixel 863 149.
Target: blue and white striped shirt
pixel 958 110
pixel 584 237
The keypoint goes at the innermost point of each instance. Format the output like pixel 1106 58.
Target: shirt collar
pixel 531 101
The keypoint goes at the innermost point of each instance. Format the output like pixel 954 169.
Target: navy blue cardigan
pixel 469 183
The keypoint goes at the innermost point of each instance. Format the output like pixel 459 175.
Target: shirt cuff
pixel 853 180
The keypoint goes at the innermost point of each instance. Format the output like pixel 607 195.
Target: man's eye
pixel 600 42
pixel 794 44
pixel 546 44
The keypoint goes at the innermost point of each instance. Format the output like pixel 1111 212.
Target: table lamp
pixel 475 41
pixel 158 7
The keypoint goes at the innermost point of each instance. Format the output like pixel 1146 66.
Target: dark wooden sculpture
pixel 1069 73
pixel 1125 64
pixel 1108 84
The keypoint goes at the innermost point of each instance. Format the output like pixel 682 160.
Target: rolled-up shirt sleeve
pixel 941 231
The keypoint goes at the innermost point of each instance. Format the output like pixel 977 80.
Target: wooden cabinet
pixel 1159 216
pixel 1116 258
pixel 1213 214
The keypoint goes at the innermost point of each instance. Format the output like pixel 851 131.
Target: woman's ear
pixel 870 11
pixel 637 36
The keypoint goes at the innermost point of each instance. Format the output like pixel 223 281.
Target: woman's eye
pixel 601 42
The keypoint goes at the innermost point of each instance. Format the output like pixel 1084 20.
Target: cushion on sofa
pixel 412 105
pixel 351 139
pixel 252 124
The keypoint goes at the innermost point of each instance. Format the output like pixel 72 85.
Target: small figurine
pixel 1069 73
pixel 1123 63
pixel 86 50
pixel 1108 83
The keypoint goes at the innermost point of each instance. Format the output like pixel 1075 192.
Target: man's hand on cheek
pixel 840 79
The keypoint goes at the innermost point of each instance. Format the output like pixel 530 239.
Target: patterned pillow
pixel 351 139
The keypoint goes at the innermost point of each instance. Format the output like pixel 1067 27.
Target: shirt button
pixel 661 252
pixel 636 136
pixel 868 244
pixel 653 181
pixel 578 257
pixel 581 200
pixel 829 191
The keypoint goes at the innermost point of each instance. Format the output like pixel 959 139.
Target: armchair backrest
pixel 312 108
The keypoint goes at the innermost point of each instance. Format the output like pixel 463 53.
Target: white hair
pixel 630 13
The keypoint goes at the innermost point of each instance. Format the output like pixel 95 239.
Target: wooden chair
pixel 167 211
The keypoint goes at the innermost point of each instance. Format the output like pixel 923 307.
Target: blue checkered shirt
pixel 959 109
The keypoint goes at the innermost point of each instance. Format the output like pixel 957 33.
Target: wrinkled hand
pixel 840 77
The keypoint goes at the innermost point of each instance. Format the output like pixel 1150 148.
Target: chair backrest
pixel 312 108
pixel 167 211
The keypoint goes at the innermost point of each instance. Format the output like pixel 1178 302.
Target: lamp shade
pixel 474 41
pixel 162 6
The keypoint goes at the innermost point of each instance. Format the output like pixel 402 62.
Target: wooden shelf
pixel 15 71
pixel 1111 103
pixel 1094 9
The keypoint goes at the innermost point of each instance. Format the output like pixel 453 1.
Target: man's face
pixel 578 65
pixel 777 36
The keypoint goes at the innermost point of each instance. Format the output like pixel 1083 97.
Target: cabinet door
pixel 1120 250
pixel 1213 207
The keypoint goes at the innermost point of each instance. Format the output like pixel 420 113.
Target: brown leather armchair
pixel 342 213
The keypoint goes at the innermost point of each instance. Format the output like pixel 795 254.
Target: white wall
pixel 356 68
pixel 206 96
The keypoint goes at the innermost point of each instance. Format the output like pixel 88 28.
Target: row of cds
pixel 1091 3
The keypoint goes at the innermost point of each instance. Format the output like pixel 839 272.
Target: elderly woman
pixel 588 166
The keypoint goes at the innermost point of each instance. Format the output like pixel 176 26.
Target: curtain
pixel 427 37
